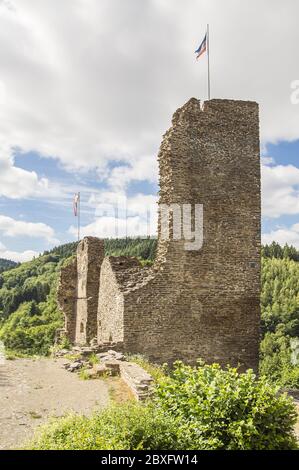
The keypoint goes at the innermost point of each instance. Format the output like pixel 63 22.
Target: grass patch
pixel 157 371
pixel 119 392
pixel 84 375
pixel 72 357
pixel 93 359
pixel 11 355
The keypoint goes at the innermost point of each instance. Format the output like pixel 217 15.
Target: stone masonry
pixel 79 290
pixel 194 304
pixel 67 297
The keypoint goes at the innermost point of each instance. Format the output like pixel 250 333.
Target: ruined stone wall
pixel 90 255
pixel 191 304
pixel 115 271
pixel 67 297
pixel 78 291
pixel 204 303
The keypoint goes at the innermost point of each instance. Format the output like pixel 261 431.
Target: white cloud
pixel 267 160
pixel 283 236
pixel 93 83
pixel 19 257
pixel 144 168
pixel 17 183
pixel 119 216
pixel 109 227
pixel 10 227
pixel 280 190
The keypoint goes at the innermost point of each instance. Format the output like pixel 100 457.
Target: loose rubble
pixel 110 363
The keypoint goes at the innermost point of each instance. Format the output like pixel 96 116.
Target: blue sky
pixel 283 153
pixel 86 95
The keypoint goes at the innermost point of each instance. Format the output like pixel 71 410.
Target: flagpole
pixel 209 79
pixel 79 216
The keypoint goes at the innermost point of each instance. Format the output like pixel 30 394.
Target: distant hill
pixel 6 264
pixel 29 315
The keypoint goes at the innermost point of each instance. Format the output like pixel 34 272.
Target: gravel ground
pixel 32 390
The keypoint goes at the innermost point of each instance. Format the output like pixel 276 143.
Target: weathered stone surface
pixel 114 272
pixel 101 370
pixel 190 304
pixel 73 366
pixel 79 289
pixel 137 379
pixel 110 356
pixel 201 303
pixel 66 297
pixel 61 352
pixel 113 366
pixel 92 374
pixel 90 255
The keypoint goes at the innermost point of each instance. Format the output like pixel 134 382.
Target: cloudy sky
pixel 88 87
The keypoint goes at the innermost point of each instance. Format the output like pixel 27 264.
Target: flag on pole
pixel 205 47
pixel 76 203
pixel 202 48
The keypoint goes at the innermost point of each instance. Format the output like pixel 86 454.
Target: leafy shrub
pixel 220 409
pixel 276 360
pixel 130 426
pixel 193 408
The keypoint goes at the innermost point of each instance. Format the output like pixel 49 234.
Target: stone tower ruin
pixel 79 290
pixel 190 304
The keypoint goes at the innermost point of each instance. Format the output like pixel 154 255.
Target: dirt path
pixel 32 390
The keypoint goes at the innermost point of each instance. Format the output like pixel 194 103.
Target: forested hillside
pixel 280 314
pixel 29 315
pixel 6 264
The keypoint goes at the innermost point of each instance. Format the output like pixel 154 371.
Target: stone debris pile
pixel 108 364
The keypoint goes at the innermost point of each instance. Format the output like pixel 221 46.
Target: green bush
pixel 276 360
pixel 194 408
pixel 222 409
pixel 130 427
